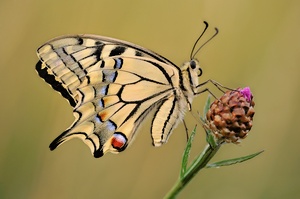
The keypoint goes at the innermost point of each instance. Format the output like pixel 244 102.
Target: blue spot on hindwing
pixel 111 126
pixel 101 103
pixel 103 90
pixel 118 63
pixel 97 119
pixel 109 76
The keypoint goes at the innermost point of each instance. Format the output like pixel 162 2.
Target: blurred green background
pixel 258 46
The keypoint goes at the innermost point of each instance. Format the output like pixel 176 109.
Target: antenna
pixel 205 28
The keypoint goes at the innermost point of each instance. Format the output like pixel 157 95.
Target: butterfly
pixel 113 85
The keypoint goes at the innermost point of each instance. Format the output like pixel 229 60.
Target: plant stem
pixel 199 163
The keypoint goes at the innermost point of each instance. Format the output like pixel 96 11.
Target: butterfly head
pixel 191 70
pixel 195 66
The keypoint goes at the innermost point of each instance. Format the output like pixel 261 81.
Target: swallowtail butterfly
pixel 112 86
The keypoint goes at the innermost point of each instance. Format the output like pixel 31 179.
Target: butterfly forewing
pixel 112 85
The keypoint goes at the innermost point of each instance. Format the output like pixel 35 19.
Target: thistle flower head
pixel 230 117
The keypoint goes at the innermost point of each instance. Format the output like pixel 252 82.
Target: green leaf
pixel 186 153
pixel 206 108
pixel 233 161
pixel 210 138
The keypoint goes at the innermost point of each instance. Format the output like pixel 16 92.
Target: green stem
pixel 199 163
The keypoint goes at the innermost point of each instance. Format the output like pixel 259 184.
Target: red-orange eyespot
pixel 119 141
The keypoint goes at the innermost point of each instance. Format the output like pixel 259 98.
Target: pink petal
pixel 247 93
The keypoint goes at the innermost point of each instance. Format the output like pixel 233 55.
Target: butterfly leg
pixel 186 130
pixel 215 83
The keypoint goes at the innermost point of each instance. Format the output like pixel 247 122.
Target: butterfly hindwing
pixel 114 100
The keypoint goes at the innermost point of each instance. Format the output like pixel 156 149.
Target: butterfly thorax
pixel 190 73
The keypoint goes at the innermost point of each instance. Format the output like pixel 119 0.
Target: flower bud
pixel 230 117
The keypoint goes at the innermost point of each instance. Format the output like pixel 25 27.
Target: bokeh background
pixel 258 46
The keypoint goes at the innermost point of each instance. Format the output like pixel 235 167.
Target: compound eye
pixel 193 64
